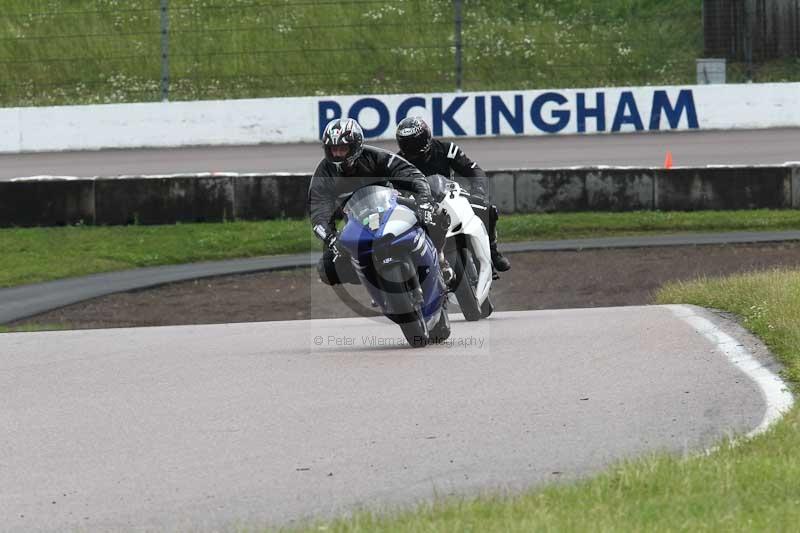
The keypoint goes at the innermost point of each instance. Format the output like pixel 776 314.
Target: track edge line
pixel 776 392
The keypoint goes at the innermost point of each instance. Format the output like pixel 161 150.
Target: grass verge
pixel 107 51
pixel 30 328
pixel 752 486
pixel 33 255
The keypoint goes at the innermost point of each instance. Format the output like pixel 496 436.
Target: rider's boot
pixel 499 261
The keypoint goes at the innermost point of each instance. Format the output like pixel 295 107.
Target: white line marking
pixel 776 392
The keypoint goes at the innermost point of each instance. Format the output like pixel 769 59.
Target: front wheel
pixel 441 331
pixel 486 308
pixel 466 279
pixel 405 309
pixel 414 329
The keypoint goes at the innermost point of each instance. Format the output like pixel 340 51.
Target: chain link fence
pixel 102 51
pixel 760 37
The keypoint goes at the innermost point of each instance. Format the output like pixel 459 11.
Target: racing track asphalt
pixel 28 300
pixel 775 146
pixel 202 428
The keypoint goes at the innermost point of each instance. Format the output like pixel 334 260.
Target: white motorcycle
pixel 466 248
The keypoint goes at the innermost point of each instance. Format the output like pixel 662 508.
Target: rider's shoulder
pixel 377 156
pixel 439 144
pixel 440 148
pixel 374 151
pixel 325 169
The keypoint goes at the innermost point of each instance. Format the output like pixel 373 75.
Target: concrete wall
pixel 794 186
pixel 47 203
pixel 214 198
pixel 468 114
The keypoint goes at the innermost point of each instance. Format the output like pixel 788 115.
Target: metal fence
pixel 756 34
pixel 101 51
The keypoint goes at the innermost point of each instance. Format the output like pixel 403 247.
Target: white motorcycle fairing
pixel 463 220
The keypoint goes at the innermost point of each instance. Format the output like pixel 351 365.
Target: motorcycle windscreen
pixel 368 201
pixel 365 210
pixel 400 221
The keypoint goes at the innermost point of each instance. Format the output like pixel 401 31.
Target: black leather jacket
pixel 444 158
pixel 329 187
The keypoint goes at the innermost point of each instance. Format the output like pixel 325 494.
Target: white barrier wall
pixel 285 120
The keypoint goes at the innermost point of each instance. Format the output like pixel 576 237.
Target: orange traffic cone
pixel 668 160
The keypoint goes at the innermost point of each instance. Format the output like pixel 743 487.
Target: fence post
pixel 459 64
pixel 164 50
pixel 749 32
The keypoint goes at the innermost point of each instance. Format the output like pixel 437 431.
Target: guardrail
pixel 52 201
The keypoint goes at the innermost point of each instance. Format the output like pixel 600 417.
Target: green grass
pixel 750 486
pixel 54 52
pixel 577 225
pixel 33 255
pixel 101 51
pixel 31 328
pixel 40 254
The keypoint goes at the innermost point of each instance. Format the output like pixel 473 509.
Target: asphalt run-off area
pixel 775 146
pixel 201 427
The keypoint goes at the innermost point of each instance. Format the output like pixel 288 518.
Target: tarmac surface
pixel 268 423
pixel 775 146
pixel 207 427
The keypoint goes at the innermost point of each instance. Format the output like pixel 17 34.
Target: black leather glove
pixel 425 213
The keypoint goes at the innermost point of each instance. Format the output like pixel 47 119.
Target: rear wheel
pixel 466 274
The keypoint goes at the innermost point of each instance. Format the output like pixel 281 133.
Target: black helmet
pixel 343 132
pixel 414 137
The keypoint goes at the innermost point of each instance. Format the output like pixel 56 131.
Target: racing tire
pixel 487 308
pixel 466 280
pixel 412 323
pixel 415 330
pixel 441 331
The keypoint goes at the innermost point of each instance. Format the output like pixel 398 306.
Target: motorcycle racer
pixel 348 165
pixel 432 156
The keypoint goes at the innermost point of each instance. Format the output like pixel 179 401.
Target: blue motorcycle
pixel 396 262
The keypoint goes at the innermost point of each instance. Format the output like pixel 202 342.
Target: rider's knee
pixel 438 231
pixel 327 272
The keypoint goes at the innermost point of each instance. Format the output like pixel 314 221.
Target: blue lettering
pixel 377 105
pixel 327 111
pixel 561 115
pixel 446 117
pixel 406 105
pixel 661 105
pixel 624 116
pixel 514 120
pixel 480 115
pixel 598 112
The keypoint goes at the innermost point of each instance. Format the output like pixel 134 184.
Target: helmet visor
pixel 415 145
pixel 339 152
